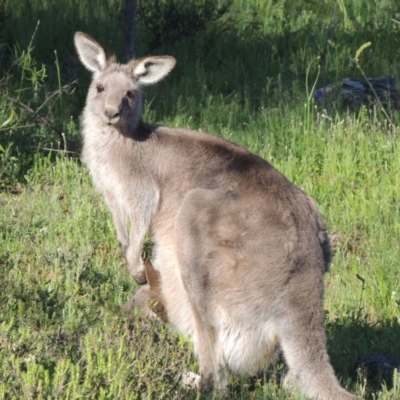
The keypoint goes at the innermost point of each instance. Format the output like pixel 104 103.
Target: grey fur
pixel 241 250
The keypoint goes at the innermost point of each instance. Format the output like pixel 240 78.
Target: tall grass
pixel 248 78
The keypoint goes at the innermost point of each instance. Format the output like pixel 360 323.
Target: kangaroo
pixel 241 251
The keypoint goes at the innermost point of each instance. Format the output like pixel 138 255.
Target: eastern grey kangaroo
pixel 241 251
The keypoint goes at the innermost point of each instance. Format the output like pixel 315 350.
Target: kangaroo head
pixel 114 96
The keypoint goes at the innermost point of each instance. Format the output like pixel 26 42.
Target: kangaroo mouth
pixel 111 121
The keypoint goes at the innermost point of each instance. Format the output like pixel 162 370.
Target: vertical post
pixel 130 29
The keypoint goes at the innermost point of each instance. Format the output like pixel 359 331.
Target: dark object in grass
pixel 378 368
pixel 353 93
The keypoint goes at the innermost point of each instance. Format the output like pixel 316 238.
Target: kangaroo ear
pixel 90 52
pixel 150 70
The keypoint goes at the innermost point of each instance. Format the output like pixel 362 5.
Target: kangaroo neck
pixel 139 132
pixel 142 132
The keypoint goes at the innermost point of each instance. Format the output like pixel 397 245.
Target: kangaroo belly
pixel 247 347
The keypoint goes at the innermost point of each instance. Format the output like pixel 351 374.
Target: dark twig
pixel 39 117
pixel 63 89
pixel 360 278
pixel 44 120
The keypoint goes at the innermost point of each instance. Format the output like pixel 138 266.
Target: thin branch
pixel 356 59
pixel 34 114
pixel 63 89
pixel 330 33
pixel 60 151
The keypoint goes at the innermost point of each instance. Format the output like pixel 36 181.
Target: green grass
pixel 62 279
pixel 61 332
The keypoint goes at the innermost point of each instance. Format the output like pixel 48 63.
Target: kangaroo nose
pixel 112 114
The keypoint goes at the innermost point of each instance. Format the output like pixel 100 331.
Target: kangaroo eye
pixel 100 88
pixel 130 94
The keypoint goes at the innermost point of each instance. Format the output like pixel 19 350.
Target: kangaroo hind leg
pixel 303 343
pixel 201 261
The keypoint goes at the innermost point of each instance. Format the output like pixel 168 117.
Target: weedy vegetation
pixel 245 72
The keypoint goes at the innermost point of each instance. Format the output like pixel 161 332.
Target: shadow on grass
pixel 365 352
pixel 361 354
